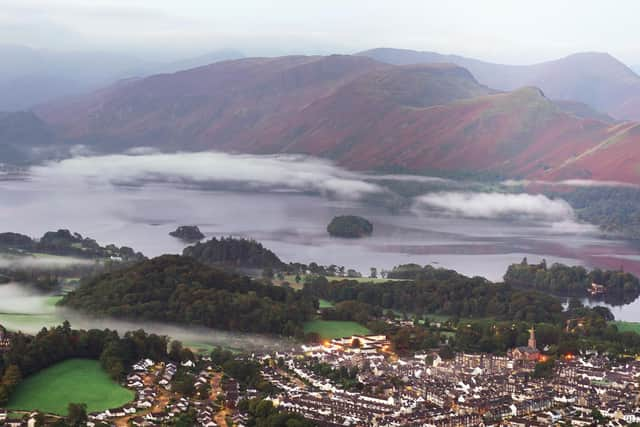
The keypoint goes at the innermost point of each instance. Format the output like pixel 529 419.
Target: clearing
pixel 72 381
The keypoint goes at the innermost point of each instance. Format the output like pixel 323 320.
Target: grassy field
pixel 335 328
pixel 71 381
pixel 292 279
pixel 627 326
pixel 323 303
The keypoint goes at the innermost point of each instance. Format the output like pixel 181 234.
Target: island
pixel 349 226
pixel 188 233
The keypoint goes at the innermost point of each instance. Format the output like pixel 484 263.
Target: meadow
pixel 329 329
pixel 72 381
pixel 627 326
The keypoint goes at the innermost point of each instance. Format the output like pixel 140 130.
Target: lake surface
pixel 293 226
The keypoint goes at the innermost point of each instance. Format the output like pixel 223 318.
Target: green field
pixel 323 303
pixel 627 326
pixel 335 328
pixel 71 381
pixel 292 279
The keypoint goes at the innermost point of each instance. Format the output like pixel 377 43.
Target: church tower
pixel 532 338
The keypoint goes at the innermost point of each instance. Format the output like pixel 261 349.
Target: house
pixel 597 289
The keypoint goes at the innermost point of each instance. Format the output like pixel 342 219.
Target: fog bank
pixel 497 205
pixel 28 311
pixel 44 262
pixel 287 172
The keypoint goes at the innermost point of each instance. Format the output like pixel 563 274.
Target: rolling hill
pixel 21 135
pixel 364 114
pixel 596 79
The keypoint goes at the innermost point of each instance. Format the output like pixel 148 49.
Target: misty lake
pixel 293 225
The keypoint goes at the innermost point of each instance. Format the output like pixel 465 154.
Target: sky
pixel 506 31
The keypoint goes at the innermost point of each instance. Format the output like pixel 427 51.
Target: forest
pixel 235 253
pixel 179 289
pixel 575 281
pixel 615 209
pixel 450 293
pixel 349 226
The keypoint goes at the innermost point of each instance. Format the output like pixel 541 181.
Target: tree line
pixel 179 289
pixel 560 279
pixel 448 293
pixel 28 354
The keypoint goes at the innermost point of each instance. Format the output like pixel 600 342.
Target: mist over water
pixel 145 197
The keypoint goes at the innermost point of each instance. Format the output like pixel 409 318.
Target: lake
pixel 293 225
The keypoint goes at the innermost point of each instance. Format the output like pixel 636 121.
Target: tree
pixel 175 351
pixel 267 273
pixel 4 395
pixel 447 353
pixel 374 273
pixel 77 414
pixel 12 377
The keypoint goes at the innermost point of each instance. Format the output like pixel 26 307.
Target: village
pixel 369 385
pixel 467 390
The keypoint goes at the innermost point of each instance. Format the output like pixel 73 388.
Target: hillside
pixel 21 133
pixel 596 79
pixel 179 289
pixel 234 253
pixel 363 114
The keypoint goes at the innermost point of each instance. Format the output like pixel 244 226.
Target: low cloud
pixel 28 311
pixel 40 263
pixel 18 299
pixel 298 173
pixel 570 183
pixel 496 205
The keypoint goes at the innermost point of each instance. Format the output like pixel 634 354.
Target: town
pixel 360 381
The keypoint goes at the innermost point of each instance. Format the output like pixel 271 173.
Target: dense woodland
pixel 349 226
pixel 28 354
pixel 561 279
pixel 65 243
pixel 450 293
pixel 179 289
pixel 615 209
pixel 232 252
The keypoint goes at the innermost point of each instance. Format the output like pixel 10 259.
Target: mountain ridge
pixel 593 78
pixel 358 112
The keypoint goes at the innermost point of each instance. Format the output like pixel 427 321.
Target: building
pixel 597 289
pixel 530 352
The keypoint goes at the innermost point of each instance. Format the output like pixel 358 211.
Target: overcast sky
pixel 508 31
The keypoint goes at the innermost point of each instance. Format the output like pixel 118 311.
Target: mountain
pixel 596 79
pixel 365 115
pixel 29 77
pixel 22 134
pixel 198 61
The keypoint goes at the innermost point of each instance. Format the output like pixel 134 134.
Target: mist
pixel 28 311
pixel 570 183
pixel 17 298
pixel 255 173
pixel 496 205
pixel 46 262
